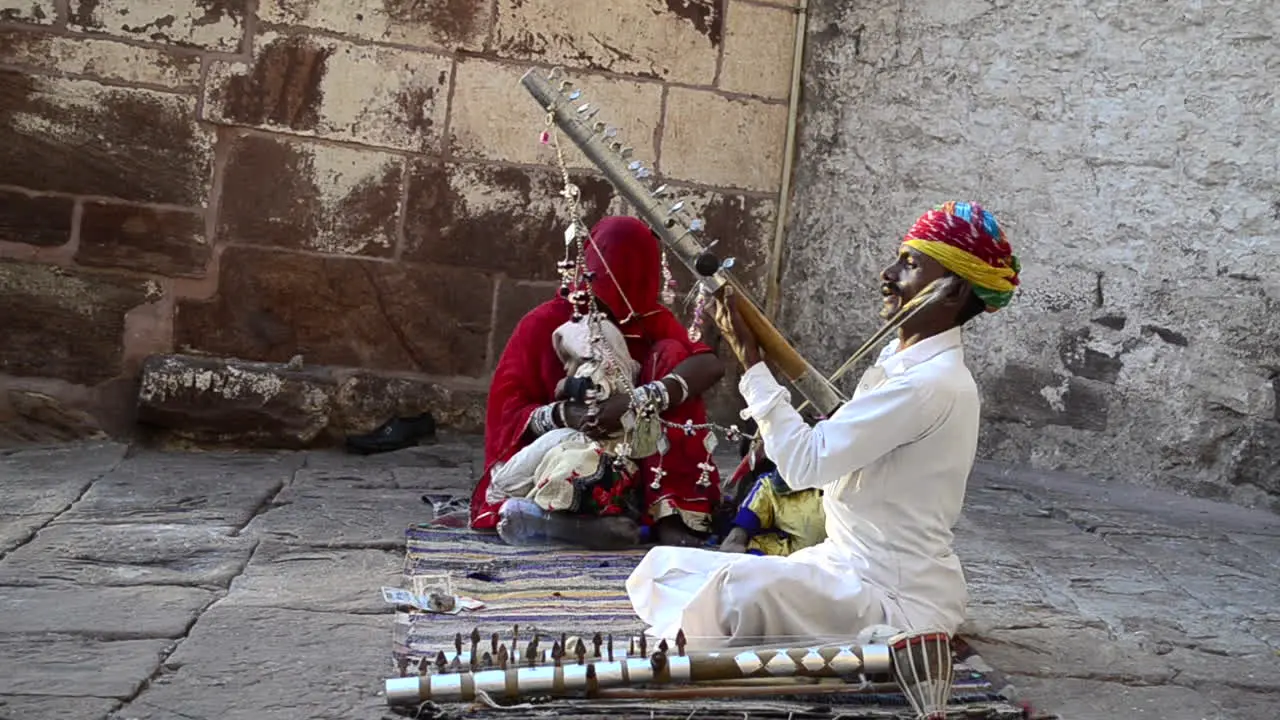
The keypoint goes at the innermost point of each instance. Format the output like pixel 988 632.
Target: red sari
pixel 626 258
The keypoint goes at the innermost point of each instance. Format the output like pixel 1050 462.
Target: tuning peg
pixel 697 225
pixel 626 152
pixel 584 107
pixel 643 173
pixel 659 191
pixel 677 207
pixel 575 94
pixel 611 132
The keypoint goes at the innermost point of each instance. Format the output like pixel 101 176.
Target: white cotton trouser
pixel 723 599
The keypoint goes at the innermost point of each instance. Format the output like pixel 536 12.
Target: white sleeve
pixel 862 431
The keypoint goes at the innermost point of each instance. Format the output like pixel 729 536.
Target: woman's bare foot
pixel 671 531
pixel 594 533
pixel 736 541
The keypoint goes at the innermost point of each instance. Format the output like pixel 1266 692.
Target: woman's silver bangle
pixel 684 386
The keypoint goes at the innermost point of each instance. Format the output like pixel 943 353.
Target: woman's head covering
pixel 626 258
pixel 966 239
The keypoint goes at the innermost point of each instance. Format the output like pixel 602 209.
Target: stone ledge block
pixel 324 87
pixel 673 41
pixel 725 142
pixel 209 24
pixel 82 137
pixel 452 24
pixel 104 59
pixel 209 401
pixel 328 198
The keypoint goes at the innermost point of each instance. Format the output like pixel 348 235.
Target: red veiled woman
pixel 625 258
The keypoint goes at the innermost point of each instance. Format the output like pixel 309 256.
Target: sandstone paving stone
pixel 341 517
pixel 23 707
pixel 103 613
pixel 301 578
pixel 1203 568
pixel 254 663
pixel 59 665
pixel 134 554
pixel 1080 652
pixel 1266 548
pixel 18 529
pixel 218 488
pixel 44 481
pixel 1120 508
pixel 1258 671
pixel 1080 699
pixel 1240 704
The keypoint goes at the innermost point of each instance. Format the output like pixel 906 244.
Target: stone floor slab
pixel 105 613
pixel 1074 699
pixel 18 529
pixel 1081 652
pixel 247 663
pixel 32 707
pixel 341 517
pixel 127 555
pixel 62 665
pixel 214 488
pixel 425 479
pixel 301 578
pixel 42 481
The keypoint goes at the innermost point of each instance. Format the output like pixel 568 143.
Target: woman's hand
pixel 609 418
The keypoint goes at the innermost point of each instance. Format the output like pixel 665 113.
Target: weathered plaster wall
pixel 1130 150
pixel 356 181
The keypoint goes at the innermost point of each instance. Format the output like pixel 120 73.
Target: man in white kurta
pixel 893 463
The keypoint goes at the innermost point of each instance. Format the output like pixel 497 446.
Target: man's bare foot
pixel 736 541
pixel 671 531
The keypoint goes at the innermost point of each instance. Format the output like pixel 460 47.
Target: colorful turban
pixel 968 241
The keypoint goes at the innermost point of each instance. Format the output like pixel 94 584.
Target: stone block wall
pixel 358 182
pixel 1130 150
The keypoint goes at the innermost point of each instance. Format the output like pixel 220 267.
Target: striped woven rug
pixel 564 591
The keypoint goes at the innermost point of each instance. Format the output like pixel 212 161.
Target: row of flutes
pixel 560 670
